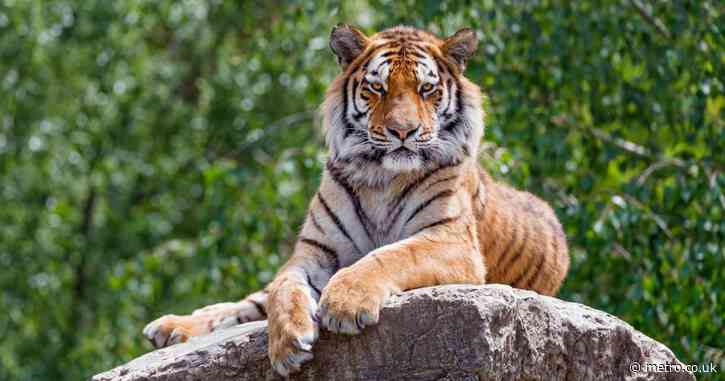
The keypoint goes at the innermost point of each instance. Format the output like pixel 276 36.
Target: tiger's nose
pixel 402 132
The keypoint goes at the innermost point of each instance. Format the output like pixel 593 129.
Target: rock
pixel 490 332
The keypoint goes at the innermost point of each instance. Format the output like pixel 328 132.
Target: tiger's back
pixel 521 239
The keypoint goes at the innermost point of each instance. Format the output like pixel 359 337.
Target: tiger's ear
pixel 347 43
pixel 460 47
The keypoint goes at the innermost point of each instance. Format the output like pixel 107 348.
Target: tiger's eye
pixel 376 86
pixel 426 87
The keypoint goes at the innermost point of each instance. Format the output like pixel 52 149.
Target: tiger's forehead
pixel 407 62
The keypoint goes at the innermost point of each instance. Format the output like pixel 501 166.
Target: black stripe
pixel 364 60
pixel 349 128
pixel 513 259
pixel 354 95
pixel 446 64
pixel 336 220
pixel 329 252
pixel 397 207
pixel 449 86
pixel 442 221
pixel 426 155
pixel 440 181
pixel 423 64
pixel 509 246
pixel 309 281
pixel 555 243
pixel 522 276
pixel 459 110
pixel 459 97
pixel 441 65
pixel 451 126
pixel 258 306
pixel 527 274
pixel 364 221
pixel 420 49
pixel 315 223
pixel 421 207
pixel 360 134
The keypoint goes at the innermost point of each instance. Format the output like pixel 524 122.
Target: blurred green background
pixel 158 155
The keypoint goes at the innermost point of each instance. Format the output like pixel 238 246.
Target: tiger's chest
pixel 379 208
pixel 386 215
pixel 369 218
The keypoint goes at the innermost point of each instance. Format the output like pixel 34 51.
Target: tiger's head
pixel 401 103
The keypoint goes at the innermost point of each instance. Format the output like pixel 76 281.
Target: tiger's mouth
pixel 402 151
pixel 402 159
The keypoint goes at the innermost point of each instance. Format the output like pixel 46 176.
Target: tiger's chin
pixel 402 161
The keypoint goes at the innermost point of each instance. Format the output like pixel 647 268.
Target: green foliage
pixel 157 156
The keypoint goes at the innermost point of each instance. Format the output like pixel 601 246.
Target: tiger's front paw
pixel 350 303
pixel 293 330
pixel 172 329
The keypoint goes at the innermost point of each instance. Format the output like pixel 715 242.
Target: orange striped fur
pixel 402 204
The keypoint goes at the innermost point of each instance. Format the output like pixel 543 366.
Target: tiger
pixel 403 202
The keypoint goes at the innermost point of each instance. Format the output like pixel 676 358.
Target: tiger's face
pixel 401 103
pixel 401 98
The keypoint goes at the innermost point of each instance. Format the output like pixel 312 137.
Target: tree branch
pixel 657 23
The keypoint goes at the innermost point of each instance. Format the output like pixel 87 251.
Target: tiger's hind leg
pixel 172 329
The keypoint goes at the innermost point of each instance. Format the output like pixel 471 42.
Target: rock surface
pixel 490 332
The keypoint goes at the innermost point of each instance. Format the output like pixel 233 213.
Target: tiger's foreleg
pixel 443 254
pixel 172 329
pixel 292 306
